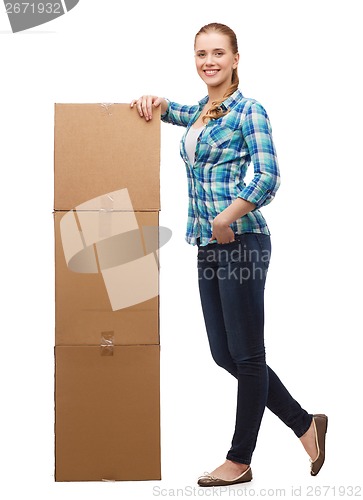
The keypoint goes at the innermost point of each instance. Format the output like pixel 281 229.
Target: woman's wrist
pixel 221 221
pixel 164 105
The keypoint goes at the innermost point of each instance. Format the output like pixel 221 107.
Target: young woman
pixel 225 132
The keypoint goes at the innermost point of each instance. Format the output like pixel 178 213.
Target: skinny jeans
pixel 231 280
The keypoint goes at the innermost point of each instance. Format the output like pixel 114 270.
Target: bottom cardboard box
pixel 107 413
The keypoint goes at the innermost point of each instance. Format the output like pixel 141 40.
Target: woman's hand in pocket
pixel 221 231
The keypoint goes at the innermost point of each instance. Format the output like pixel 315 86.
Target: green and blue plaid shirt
pixel 225 149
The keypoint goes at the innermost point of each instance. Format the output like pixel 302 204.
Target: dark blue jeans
pixel 231 283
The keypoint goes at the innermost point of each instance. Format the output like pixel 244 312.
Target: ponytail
pixel 215 111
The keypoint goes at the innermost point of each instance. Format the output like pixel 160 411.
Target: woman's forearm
pixel 237 209
pixel 164 105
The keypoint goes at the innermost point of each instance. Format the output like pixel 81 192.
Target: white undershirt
pixel 191 142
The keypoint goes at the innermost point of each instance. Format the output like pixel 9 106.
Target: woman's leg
pixel 231 282
pixel 283 405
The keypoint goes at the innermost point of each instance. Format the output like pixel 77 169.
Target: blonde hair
pixel 215 111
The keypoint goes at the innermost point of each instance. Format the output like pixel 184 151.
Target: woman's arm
pixel 256 131
pixel 171 112
pixel 222 231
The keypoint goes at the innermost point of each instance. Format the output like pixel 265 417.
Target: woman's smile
pixel 210 72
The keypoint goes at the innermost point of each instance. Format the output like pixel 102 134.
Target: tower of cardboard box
pixel 107 349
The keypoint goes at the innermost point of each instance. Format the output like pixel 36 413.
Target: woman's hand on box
pixel 146 103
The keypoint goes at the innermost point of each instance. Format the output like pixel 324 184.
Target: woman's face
pixel 214 59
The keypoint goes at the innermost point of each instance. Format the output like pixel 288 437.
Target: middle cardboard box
pixel 106 215
pixel 106 280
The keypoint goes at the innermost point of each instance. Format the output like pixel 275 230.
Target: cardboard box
pixel 83 309
pixel 107 413
pixel 106 204
pixel 100 148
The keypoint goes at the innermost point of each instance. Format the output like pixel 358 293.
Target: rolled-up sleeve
pixel 178 114
pixel 256 130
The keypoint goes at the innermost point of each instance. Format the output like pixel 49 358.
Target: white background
pixel 301 60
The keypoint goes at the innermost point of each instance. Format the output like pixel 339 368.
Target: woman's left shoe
pixel 320 425
pixel 209 480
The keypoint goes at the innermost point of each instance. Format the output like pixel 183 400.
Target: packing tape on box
pixel 107 107
pixel 105 217
pixel 107 343
pixel 102 235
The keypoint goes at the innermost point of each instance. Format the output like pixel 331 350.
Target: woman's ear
pixel 236 60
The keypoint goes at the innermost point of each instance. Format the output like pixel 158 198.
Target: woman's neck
pixel 217 93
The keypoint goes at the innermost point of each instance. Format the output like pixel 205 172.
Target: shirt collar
pixel 227 103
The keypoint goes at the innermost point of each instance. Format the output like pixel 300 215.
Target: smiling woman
pixel 226 133
pixel 216 52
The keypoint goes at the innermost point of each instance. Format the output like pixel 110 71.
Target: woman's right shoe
pixel 320 426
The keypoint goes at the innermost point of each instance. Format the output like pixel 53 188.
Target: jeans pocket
pixel 264 243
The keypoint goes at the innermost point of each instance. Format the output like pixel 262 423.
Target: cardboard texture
pixel 100 148
pixel 107 413
pixel 107 352
pixel 83 309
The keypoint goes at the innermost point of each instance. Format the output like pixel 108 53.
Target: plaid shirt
pixel 224 150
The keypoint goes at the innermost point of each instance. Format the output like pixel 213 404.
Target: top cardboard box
pixel 101 148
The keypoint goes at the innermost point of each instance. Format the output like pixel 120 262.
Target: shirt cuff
pixel 259 200
pixel 164 115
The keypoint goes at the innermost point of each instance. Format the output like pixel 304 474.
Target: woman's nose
pixel 209 59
